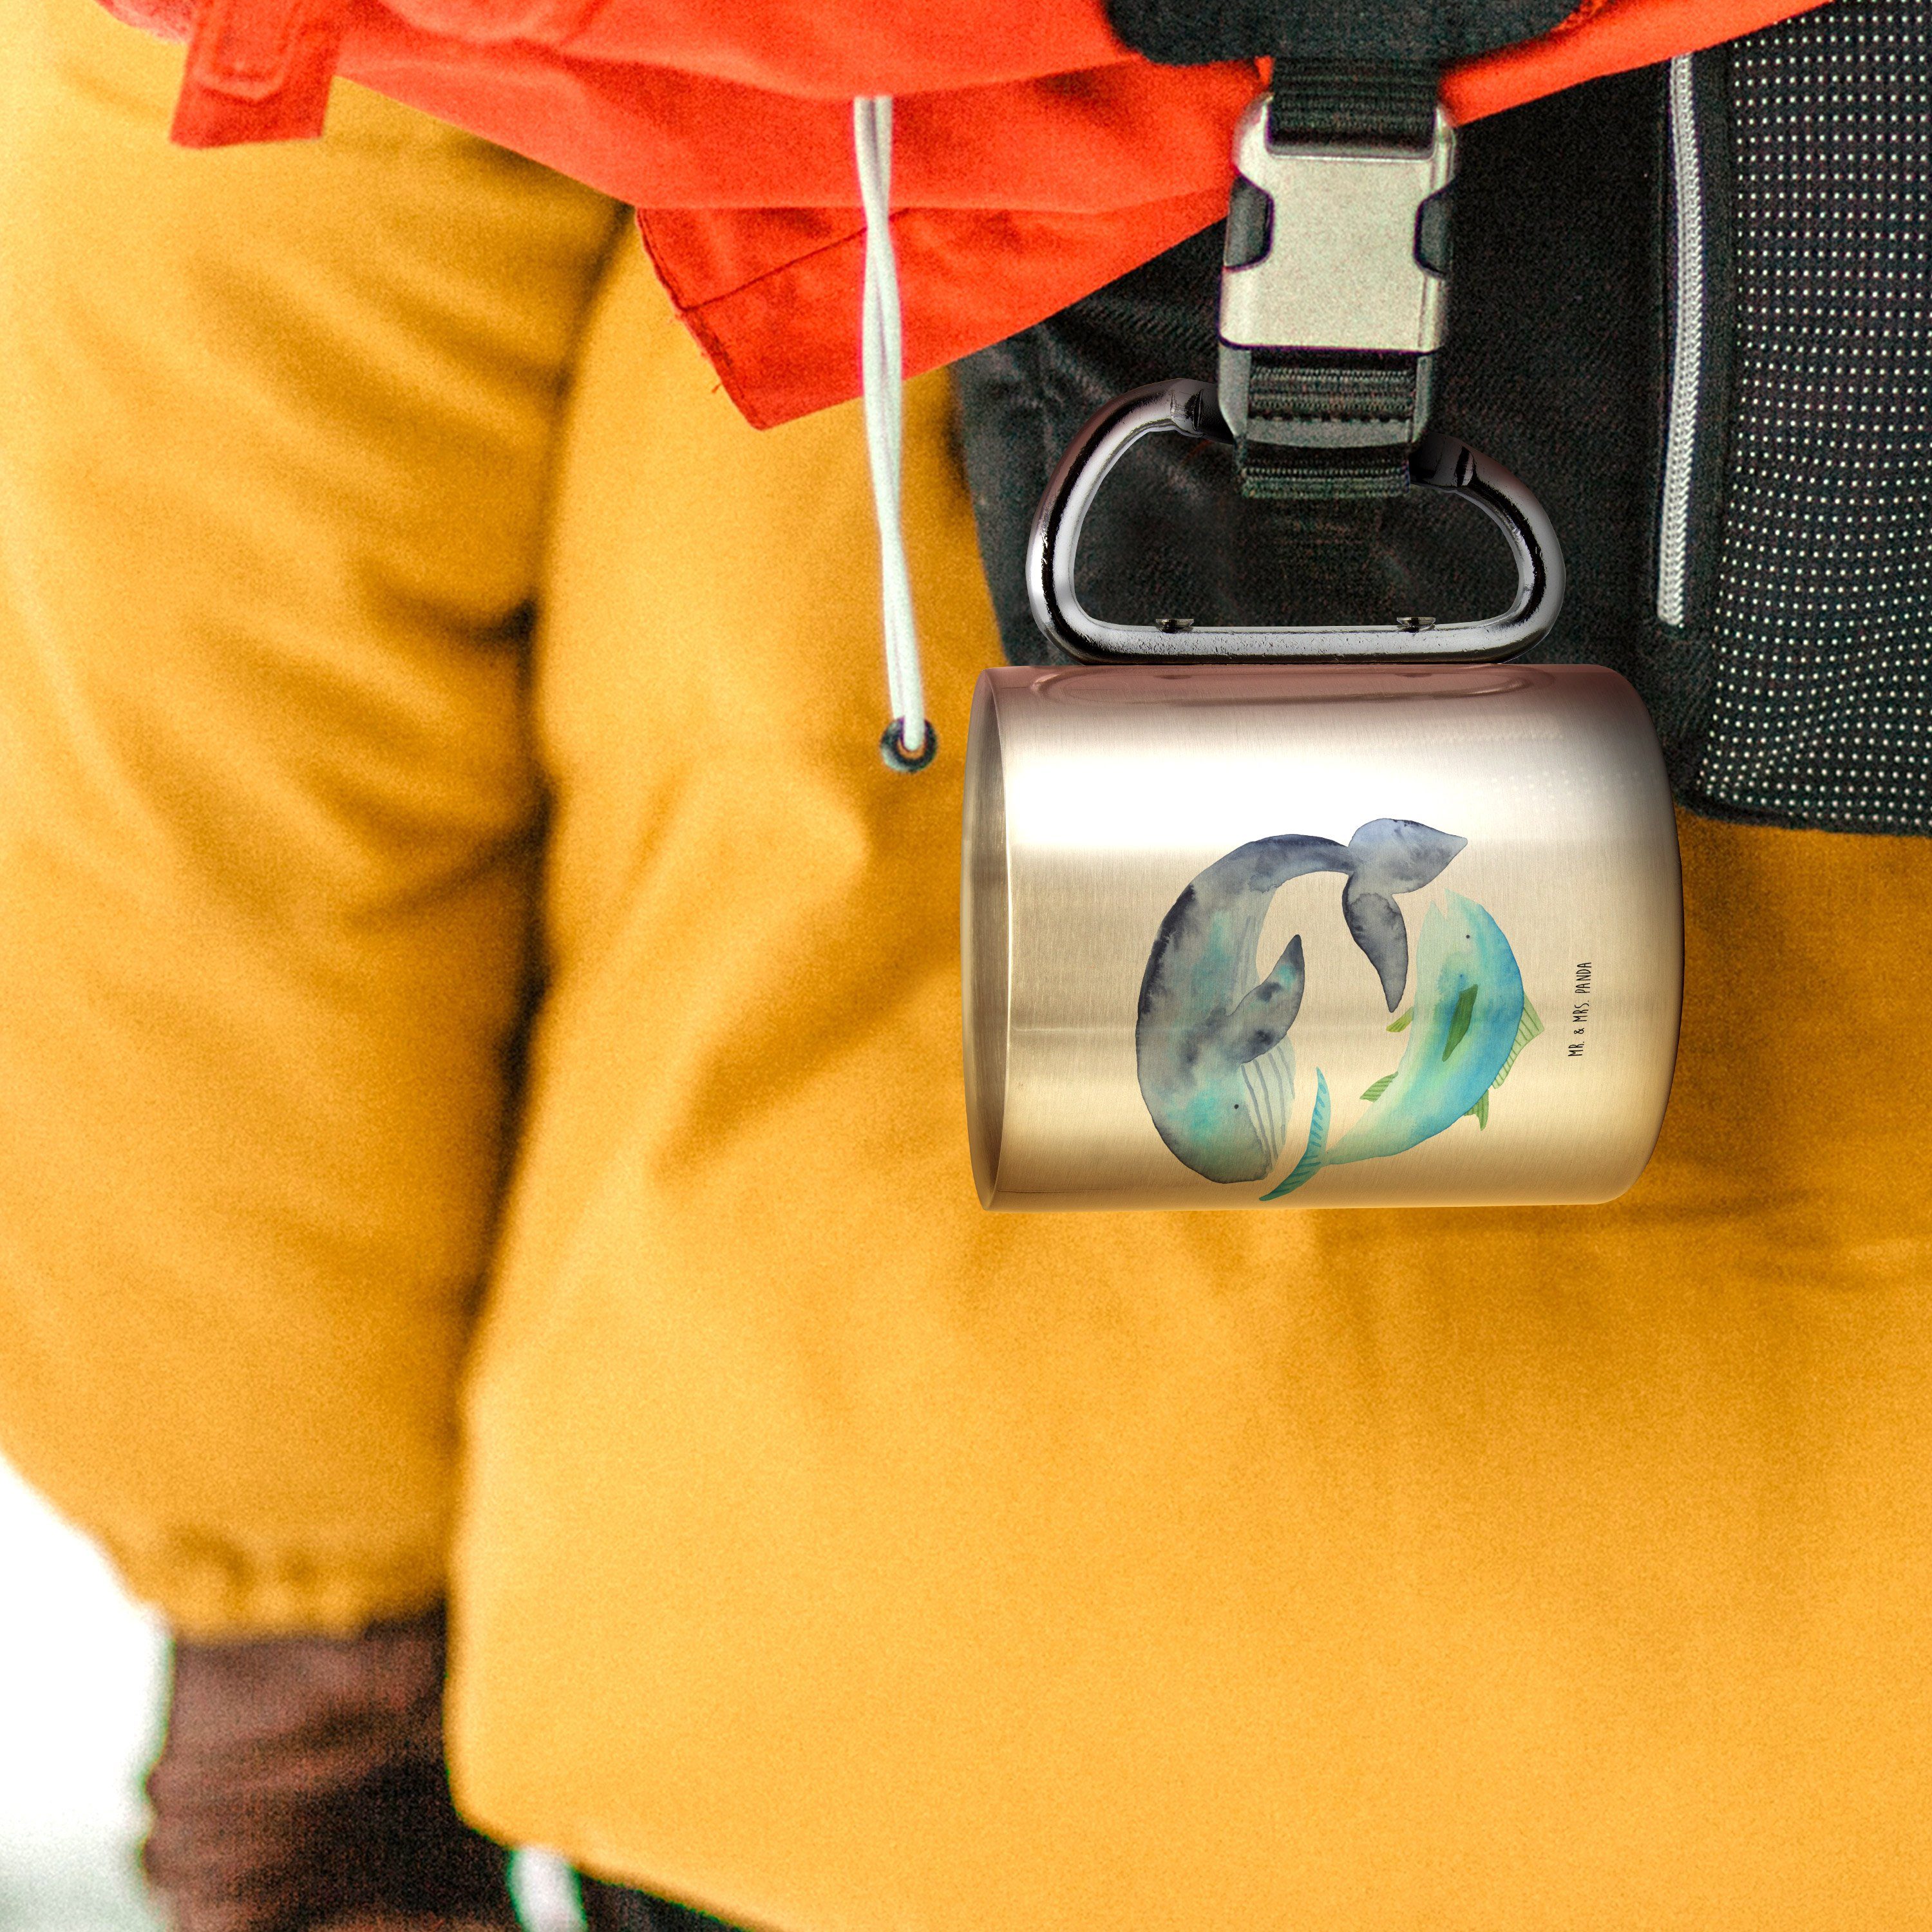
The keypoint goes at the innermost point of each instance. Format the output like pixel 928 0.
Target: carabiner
pixel 1190 409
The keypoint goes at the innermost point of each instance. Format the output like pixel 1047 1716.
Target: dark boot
pixel 301 1785
pixel 620 1908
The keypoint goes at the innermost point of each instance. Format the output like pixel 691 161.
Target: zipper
pixel 1686 347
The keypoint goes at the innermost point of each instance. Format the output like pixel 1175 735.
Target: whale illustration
pixel 1469 1025
pixel 1210 1045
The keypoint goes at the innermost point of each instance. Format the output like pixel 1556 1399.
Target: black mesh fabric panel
pixel 1822 627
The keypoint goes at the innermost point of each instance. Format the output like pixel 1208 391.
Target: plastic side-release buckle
pixel 258 71
pixel 1332 292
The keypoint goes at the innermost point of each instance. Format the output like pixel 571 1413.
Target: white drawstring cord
pixel 908 744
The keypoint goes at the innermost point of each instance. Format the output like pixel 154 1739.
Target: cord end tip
pixel 892 748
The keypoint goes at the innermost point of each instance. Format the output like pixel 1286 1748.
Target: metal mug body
pixel 1291 935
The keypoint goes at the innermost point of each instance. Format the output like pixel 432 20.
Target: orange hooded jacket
pixel 1037 158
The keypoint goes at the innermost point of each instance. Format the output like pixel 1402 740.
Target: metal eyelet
pixel 892 747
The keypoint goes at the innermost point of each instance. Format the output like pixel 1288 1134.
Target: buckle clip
pixel 1338 255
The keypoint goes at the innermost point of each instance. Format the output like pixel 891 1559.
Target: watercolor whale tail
pixel 1393 855
pixel 1216 1067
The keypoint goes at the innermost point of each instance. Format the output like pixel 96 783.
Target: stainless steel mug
pixel 1315 934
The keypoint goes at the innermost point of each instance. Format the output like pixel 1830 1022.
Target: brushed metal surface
pixel 1095 795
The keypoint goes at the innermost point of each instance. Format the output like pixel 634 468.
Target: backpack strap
pixel 258 71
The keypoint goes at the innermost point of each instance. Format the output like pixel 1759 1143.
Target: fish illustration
pixel 1210 1046
pixel 1467 1027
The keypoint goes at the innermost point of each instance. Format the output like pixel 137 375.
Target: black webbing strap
pixel 1312 387
pixel 1351 104
pixel 1296 392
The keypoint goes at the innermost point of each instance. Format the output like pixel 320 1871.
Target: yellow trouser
pixel 831 1552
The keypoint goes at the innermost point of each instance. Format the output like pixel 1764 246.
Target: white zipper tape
pixel 1687 351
